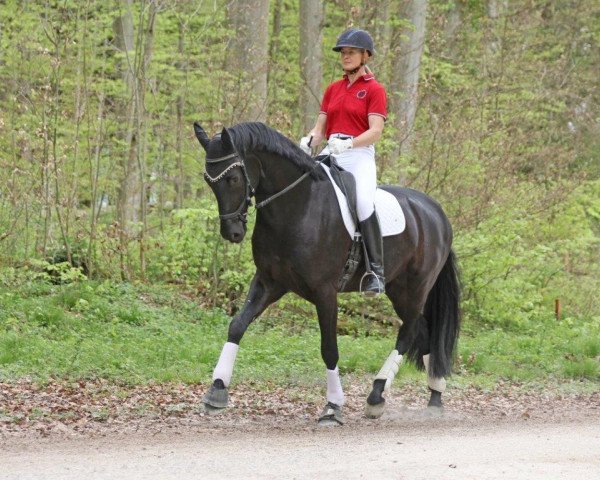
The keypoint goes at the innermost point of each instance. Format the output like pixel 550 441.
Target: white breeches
pixel 360 162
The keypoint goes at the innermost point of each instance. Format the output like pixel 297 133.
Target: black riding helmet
pixel 356 38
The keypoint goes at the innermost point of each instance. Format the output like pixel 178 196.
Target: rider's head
pixel 355 47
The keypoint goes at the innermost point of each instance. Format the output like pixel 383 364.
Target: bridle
pixel 242 211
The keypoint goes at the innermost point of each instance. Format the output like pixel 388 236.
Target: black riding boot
pixel 373 282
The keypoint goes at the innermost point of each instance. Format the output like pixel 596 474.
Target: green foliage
pixel 515 265
pixel 140 333
pixel 548 349
pixel 506 138
pixel 190 251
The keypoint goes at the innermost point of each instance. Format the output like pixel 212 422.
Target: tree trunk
pixel 275 33
pixel 452 28
pixel 132 187
pixel 496 8
pixel 248 55
pixel 312 13
pixel 405 79
pixel 141 129
pixel 128 192
pixel 274 77
pixel 376 20
pixel 180 178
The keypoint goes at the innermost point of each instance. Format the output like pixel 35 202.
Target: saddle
pixel 346 183
pixel 344 180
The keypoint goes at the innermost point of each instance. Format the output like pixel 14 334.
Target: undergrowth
pixel 138 333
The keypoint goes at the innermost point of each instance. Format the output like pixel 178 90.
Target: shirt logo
pixel 361 94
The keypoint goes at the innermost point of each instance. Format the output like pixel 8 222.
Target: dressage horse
pixel 300 245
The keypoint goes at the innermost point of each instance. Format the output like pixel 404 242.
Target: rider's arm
pixel 318 131
pixel 373 134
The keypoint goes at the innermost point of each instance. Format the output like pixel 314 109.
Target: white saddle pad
pixel 389 212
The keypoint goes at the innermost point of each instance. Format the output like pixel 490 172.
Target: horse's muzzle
pixel 233 230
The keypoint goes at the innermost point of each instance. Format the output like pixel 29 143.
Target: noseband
pixel 242 210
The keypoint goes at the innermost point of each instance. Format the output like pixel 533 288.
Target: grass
pixel 546 351
pixel 152 333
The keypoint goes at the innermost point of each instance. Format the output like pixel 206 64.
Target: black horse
pixel 300 245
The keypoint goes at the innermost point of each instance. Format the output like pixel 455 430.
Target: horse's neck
pixel 276 175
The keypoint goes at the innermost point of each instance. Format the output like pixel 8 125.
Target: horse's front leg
pixel 262 293
pixel 327 312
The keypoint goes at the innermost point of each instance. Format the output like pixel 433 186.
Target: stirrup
pixel 374 290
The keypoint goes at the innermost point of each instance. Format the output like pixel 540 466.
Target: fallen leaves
pixel 98 407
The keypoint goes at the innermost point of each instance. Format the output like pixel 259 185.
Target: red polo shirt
pixel 348 106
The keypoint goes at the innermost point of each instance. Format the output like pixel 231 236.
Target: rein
pixel 250 191
pixel 285 190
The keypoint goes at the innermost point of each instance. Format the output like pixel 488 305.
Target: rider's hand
pixel 304 144
pixel 337 145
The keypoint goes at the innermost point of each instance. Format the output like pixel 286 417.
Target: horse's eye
pixel 233 180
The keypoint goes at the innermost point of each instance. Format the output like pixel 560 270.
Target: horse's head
pixel 228 178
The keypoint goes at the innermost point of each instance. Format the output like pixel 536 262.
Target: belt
pixel 340 136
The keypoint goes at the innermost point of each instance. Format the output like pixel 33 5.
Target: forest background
pixel 494 112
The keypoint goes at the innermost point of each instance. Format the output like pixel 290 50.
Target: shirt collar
pixel 366 77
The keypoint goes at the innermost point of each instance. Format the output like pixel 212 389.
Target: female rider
pixel 353 112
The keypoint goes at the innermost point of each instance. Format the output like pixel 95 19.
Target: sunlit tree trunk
pixel 452 27
pixel 180 178
pixel 496 8
pixel 132 187
pixel 128 192
pixel 311 54
pixel 95 136
pixel 141 127
pixel 276 31
pixel 248 58
pixel 376 16
pixel 403 91
pixel 61 204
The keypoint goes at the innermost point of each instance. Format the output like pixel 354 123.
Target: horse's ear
pixel 201 135
pixel 226 140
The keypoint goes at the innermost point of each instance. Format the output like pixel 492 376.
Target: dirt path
pixel 400 449
pixel 101 431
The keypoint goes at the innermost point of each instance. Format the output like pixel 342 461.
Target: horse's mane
pixel 249 136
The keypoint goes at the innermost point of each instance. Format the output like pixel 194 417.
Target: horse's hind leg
pixel 437 385
pixel 410 313
pixel 261 294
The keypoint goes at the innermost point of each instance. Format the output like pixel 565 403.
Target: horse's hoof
pixel 435 411
pixel 374 411
pixel 210 410
pixel 217 396
pixel 329 423
pixel 331 416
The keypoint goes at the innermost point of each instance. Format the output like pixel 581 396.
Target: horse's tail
pixel 442 316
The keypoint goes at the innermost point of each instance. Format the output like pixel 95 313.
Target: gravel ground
pixel 99 430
